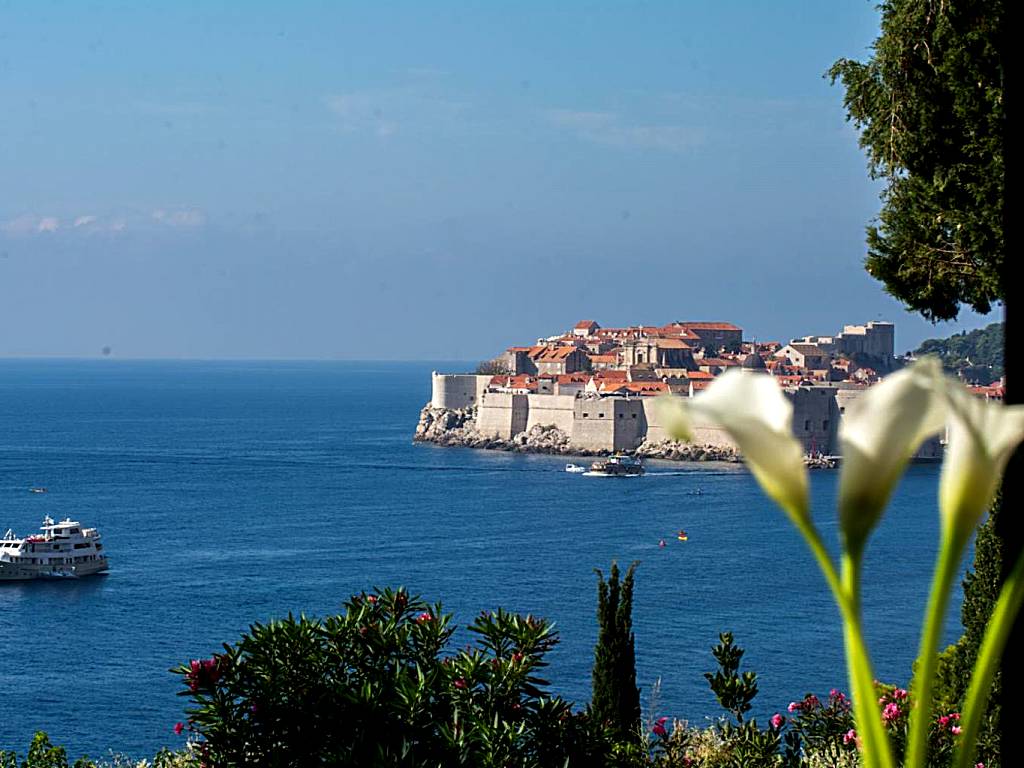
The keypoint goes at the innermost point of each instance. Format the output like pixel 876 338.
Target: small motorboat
pixel 37 490
pixel 575 468
pixel 682 535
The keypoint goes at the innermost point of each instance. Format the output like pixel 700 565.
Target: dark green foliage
pixel 371 687
pixel 495 367
pixel 745 745
pixel 978 349
pixel 981 590
pixel 929 108
pixel 734 691
pixel 42 754
pixel 615 696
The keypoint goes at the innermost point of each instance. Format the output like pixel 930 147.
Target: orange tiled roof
pixel 611 375
pixel 704 326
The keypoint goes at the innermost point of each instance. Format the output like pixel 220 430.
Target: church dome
pixel 753 362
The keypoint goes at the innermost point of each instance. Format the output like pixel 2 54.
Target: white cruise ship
pixel 62 550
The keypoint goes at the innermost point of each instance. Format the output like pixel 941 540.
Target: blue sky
pixel 411 180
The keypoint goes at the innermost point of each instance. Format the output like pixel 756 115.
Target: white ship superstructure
pixel 62 550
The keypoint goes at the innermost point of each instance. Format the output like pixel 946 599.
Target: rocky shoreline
pixel 457 427
pixel 445 426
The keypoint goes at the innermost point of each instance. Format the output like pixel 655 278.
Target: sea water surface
pixel 234 492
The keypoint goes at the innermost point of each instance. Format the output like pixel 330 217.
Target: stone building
pixel 805 356
pixel 714 336
pixel 656 351
pixel 556 360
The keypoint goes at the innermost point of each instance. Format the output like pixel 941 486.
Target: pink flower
pixel 371 598
pixel 794 706
pixel 811 701
pixel 979 765
pixel 944 721
pixel 203 673
pixel 891 712
pixel 955 730
pixel 850 735
pixel 899 694
pixel 662 720
pixel 178 728
pixel 777 721
pixel 424 617
pixel 659 730
pixel 460 683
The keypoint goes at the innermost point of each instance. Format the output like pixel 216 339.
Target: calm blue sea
pixel 233 492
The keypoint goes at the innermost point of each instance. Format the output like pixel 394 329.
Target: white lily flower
pixel 982 437
pixel 758 416
pixel 880 432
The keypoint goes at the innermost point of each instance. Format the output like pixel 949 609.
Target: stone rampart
pixel 550 411
pixel 457 390
pixel 591 425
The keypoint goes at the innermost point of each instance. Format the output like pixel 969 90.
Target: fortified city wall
pixel 606 424
pixel 457 390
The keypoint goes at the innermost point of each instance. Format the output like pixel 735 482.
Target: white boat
pixel 63 550
pixel 575 468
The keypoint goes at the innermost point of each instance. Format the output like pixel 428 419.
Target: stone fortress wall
pixel 457 390
pixel 607 424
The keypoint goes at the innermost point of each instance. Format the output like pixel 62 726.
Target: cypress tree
pixel 615 697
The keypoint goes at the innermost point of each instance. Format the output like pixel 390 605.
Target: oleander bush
pixel 379 685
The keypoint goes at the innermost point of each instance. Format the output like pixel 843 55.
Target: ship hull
pixel 19 572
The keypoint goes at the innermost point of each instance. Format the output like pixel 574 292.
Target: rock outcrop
pixel 445 426
pixel 676 451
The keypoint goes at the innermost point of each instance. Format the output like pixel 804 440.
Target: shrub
pixel 372 686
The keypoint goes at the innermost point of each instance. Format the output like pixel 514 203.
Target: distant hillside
pixel 977 355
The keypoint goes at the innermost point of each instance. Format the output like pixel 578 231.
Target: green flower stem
pixel 996 634
pixel 947 561
pixel 868 716
pixel 876 749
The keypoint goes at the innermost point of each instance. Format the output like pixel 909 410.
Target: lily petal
pixel 675 417
pixel 982 436
pixel 758 416
pixel 880 433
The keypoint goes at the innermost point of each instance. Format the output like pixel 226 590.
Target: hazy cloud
pixel 611 129
pixel 181 217
pixel 386 112
pixel 20 225
pixel 29 224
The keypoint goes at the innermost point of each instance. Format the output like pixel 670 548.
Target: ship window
pixel 585 415
pixel 600 415
pixel 807 425
pixel 74 530
pixel 634 415
pixel 82 545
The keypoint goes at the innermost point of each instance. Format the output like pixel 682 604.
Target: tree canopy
pixel 980 348
pixel 929 108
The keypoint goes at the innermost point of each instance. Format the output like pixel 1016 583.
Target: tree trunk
pixel 1007 526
